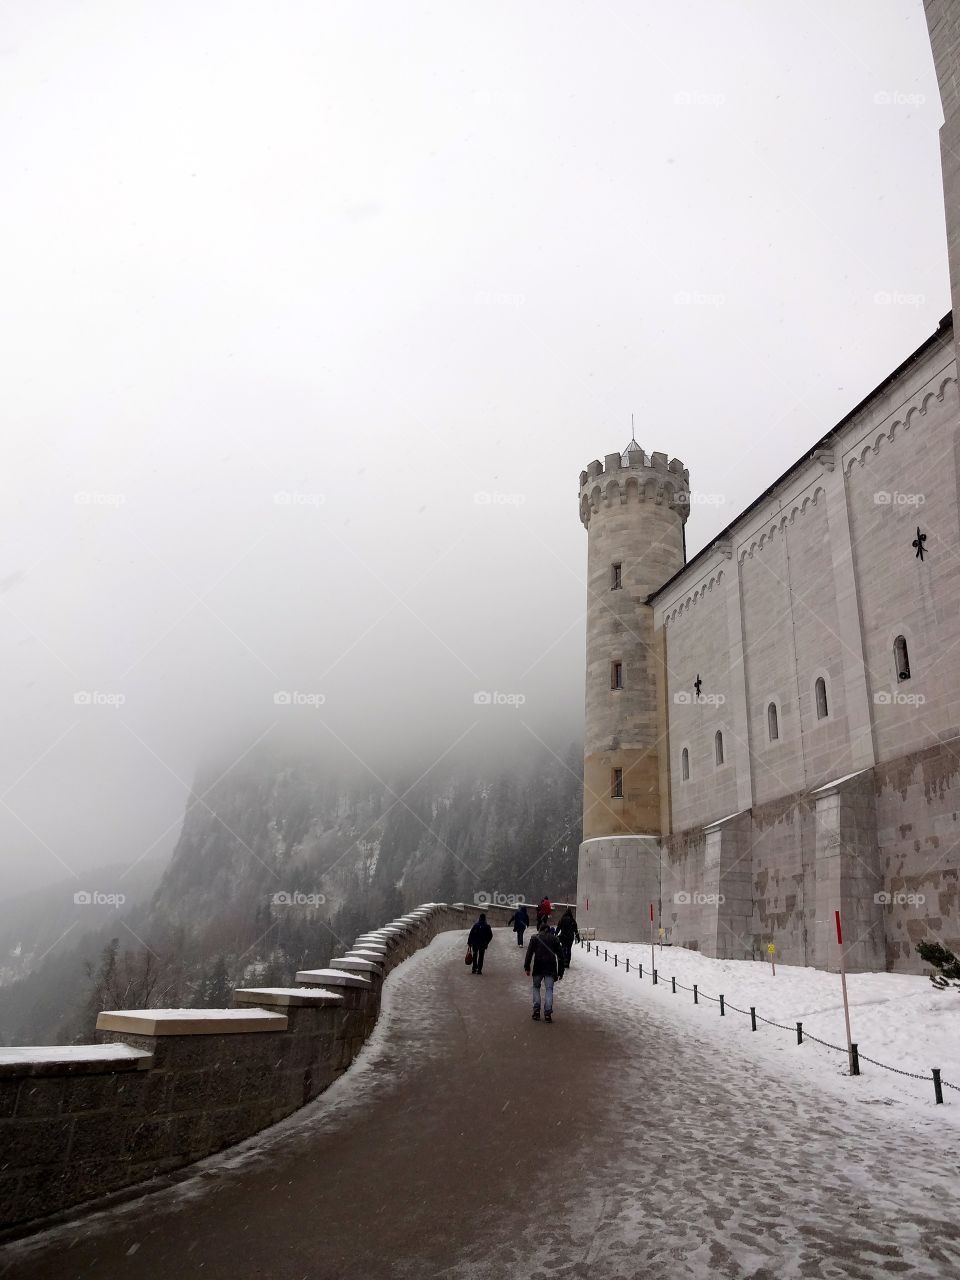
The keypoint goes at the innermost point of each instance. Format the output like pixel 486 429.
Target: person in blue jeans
pixel 544 962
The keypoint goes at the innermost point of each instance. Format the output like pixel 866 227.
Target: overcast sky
pixel 287 285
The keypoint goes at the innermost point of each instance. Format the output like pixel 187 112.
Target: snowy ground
pixel 897 1019
pixel 638 1135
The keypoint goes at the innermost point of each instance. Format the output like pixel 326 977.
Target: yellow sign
pixel 771 948
pixel 661 932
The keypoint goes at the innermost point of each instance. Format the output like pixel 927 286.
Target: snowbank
pixel 900 1020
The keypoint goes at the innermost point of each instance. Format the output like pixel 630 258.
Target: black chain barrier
pixel 939 1084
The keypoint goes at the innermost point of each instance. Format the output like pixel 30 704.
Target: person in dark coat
pixel 567 932
pixel 519 922
pixel 478 939
pixel 545 959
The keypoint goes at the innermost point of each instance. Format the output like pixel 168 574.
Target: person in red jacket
pixel 543 910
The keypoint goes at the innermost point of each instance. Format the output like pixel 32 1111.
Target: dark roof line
pixel 945 325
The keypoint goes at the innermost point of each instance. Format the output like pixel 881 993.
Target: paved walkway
pixel 470 1142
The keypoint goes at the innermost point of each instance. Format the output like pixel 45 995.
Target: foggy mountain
pixel 48 921
pixel 283 860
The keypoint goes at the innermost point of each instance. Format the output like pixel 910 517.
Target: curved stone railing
pixel 166 1087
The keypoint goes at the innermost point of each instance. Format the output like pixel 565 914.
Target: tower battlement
pixel 634 475
pixel 634 505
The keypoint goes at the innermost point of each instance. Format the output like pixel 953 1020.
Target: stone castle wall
pixel 163 1088
pixel 860 808
pixel 943 24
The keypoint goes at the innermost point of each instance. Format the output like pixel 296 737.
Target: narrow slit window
pixel 616 785
pixel 616 675
pixel 902 658
pixel 820 689
pixel 773 722
pixel 685 765
pixel 616 577
pixel 718 746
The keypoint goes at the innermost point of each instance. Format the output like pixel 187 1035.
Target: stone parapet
pixel 166 1087
pixel 634 477
pixel 189 1022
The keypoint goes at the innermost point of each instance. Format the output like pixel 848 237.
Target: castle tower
pixel 943 24
pixel 634 507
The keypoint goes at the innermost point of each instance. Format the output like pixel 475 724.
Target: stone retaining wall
pixel 163 1088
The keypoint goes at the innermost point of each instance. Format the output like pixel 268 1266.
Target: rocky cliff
pixel 283 859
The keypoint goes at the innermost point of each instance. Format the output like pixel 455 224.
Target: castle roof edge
pixel 943 329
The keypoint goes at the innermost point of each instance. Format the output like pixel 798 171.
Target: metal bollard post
pixel 640 968
pixel 937 1087
pixel 673 984
pixel 854 1060
pixel 654 977
pixel 628 964
pixel 799 1033
pixel 753 1018
pixel 722 1010
pixel 604 955
pixel 695 1000
pixel 614 959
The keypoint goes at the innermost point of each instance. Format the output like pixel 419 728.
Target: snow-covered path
pixel 468 1141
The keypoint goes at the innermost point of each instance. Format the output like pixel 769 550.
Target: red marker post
pixel 854 1067
pixel 653 963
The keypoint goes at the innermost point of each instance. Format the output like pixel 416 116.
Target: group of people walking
pixel 548 952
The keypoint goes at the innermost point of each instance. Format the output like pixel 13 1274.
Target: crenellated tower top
pixel 634 476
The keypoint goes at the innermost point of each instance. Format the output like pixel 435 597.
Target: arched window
pixel 718 746
pixel 685 765
pixel 901 658
pixel 820 689
pixel 773 722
